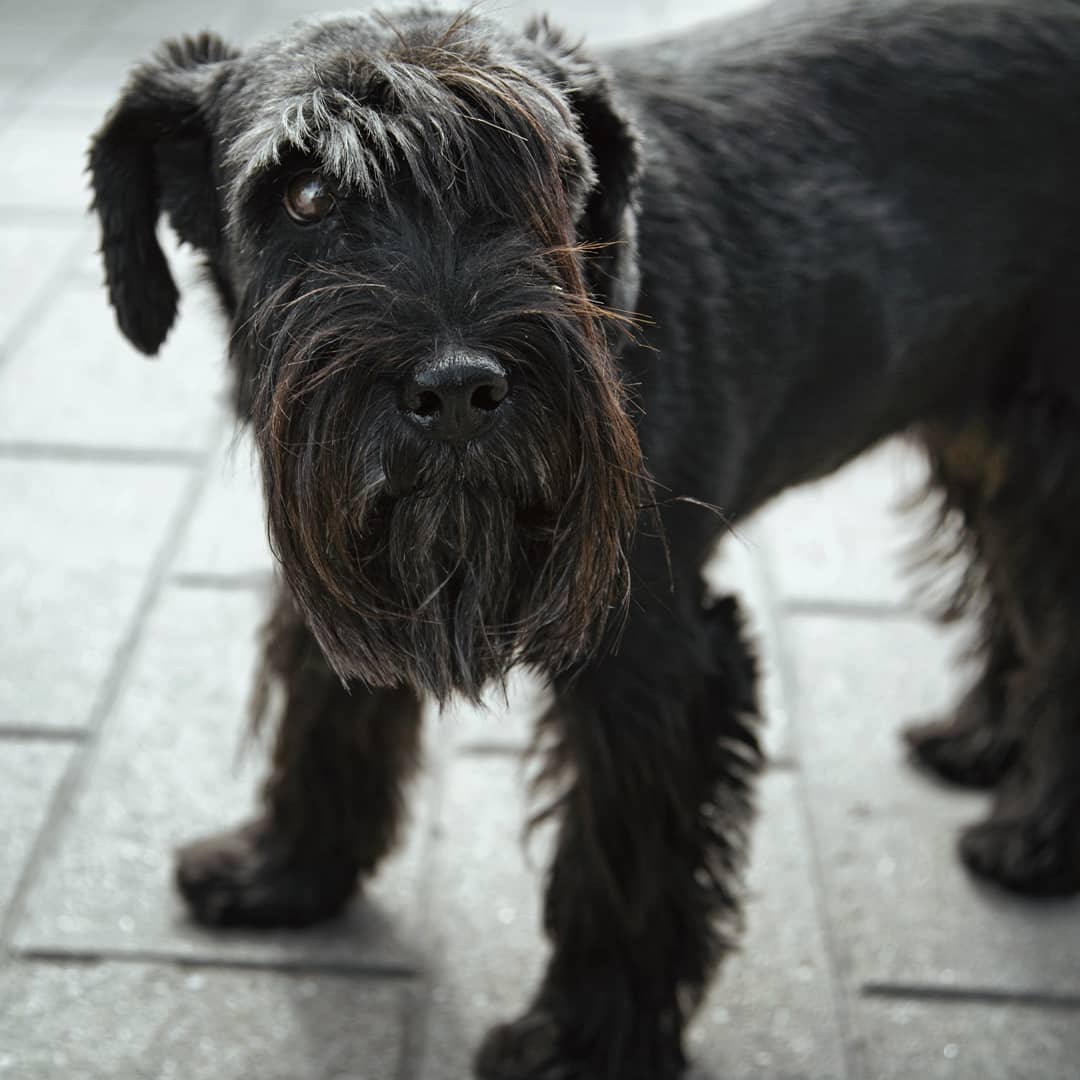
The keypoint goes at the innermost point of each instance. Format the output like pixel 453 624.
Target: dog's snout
pixel 456 395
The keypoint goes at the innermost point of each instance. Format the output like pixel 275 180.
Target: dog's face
pixel 420 229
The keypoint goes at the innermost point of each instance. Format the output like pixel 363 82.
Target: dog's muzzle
pixel 455 396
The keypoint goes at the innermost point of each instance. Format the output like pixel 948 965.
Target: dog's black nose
pixel 456 395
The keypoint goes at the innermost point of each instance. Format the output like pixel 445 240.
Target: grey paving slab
pixel 86 88
pixel 843 539
pixel 14 73
pixel 169 767
pixel 90 84
pixel 33 255
pixel 35 36
pixel 47 17
pixel 73 379
pixel 227 531
pixel 485 913
pixel 903 910
pixel 24 40
pixel 45 165
pixel 61 631
pixel 956 1041
pixel 31 771
pixel 771 1013
pixel 135 1022
pixel 76 543
pixel 86 515
pixel 738 568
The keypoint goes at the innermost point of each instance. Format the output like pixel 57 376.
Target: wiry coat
pixel 710 267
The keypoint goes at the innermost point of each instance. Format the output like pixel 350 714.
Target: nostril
pixel 488 396
pixel 426 403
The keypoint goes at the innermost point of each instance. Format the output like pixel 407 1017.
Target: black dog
pixel 509 326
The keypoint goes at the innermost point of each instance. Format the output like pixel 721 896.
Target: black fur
pixel 710 267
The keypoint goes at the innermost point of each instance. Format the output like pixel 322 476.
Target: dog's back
pixel 893 187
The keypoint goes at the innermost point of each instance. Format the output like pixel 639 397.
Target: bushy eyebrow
pixel 445 126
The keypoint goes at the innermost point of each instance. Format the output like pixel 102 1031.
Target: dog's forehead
pixel 362 95
pixel 347 51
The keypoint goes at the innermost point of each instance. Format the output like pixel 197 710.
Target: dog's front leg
pixel 333 801
pixel 643 895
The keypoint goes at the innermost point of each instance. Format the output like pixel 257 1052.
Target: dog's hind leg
pixel 332 804
pixel 972 745
pixel 1028 530
pixel 658 748
pixel 1030 842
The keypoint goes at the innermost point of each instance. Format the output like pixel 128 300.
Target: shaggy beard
pixel 440 567
pixel 452 574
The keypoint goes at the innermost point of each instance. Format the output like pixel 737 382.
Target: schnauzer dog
pixel 509 325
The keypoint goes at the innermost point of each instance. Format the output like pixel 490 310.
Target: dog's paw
pixel 244 878
pixel 533 1048
pixel 970 754
pixel 526 1049
pixel 1038 854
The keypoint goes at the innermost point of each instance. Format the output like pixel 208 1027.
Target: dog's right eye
pixel 308 198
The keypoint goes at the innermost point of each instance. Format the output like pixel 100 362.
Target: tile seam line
pixel 108 693
pixel 23 733
pixel 988 996
pixel 777 630
pixel 221 582
pixel 41 216
pixel 819 606
pixel 89 454
pixel 154 958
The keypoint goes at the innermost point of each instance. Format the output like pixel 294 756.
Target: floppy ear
pixel 609 218
pixel 153 155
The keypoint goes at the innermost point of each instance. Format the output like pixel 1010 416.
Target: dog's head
pixel 422 230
